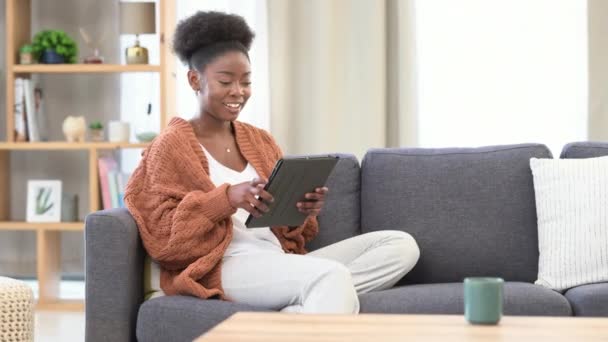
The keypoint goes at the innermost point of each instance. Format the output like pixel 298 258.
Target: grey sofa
pixel 472 212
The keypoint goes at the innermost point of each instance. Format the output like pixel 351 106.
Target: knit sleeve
pixel 177 220
pixel 310 228
pixel 271 146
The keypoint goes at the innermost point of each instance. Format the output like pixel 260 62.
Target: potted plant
pixel 96 128
pixel 26 54
pixel 54 47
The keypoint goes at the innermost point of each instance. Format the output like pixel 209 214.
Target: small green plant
pixel 56 40
pixel 42 201
pixel 27 48
pixel 96 125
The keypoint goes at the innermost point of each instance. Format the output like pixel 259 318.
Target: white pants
pixel 327 280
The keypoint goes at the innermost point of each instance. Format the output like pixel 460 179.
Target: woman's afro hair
pixel 207 28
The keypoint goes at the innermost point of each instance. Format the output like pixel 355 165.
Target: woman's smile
pixel 233 107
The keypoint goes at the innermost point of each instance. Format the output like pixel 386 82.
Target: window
pixel 501 72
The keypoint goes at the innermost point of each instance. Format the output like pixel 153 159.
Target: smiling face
pixel 224 85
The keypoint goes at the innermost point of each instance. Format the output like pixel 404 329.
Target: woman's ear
pixel 194 78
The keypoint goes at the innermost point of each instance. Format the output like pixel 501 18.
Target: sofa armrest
pixel 113 278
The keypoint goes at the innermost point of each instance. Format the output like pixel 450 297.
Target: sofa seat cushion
pixel 589 300
pixel 182 318
pixel 447 298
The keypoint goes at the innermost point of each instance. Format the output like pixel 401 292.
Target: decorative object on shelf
pixel 145 137
pixel 54 47
pixel 137 18
pixel 74 128
pixel 119 131
pixel 96 128
pixel 44 201
pixel 144 132
pixel 69 208
pixel 26 54
pixel 95 57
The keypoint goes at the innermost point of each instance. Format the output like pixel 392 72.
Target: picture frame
pixel 44 201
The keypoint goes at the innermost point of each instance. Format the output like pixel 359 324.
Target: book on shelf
pixel 19 111
pixel 28 112
pixel 31 117
pixel 112 183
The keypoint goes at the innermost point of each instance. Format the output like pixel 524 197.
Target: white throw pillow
pixel 572 210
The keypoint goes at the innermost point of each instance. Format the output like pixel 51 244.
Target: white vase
pixel 119 131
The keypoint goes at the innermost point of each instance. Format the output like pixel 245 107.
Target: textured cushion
pixel 471 210
pixel 182 318
pixel 572 209
pixel 589 300
pixel 16 311
pixel 339 218
pixel 584 150
pixel 519 299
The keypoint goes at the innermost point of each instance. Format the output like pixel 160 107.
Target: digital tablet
pixel 291 178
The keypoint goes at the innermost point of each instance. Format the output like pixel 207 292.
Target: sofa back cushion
pixel 340 217
pixel 585 149
pixel 471 210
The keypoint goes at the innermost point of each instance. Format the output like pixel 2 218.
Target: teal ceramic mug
pixel 483 298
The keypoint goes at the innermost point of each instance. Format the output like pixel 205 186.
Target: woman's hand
pixel 243 196
pixel 314 202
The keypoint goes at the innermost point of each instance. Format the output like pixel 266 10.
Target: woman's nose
pixel 237 90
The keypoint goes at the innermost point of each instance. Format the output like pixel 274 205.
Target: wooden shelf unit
pixel 61 305
pixel 18 32
pixel 62 145
pixel 82 68
pixel 52 226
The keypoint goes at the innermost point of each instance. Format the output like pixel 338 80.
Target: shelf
pixel 61 305
pixel 83 68
pixel 59 226
pixel 63 145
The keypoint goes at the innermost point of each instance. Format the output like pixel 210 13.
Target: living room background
pixel 384 84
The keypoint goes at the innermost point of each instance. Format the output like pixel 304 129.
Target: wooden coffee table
pixel 270 327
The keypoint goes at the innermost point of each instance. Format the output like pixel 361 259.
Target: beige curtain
pixel 341 74
pixel 598 69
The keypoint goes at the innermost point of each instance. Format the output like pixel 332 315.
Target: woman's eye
pixel 225 83
pixel 247 84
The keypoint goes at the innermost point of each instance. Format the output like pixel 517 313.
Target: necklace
pixel 196 130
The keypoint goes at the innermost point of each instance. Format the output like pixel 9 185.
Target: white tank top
pixel 244 240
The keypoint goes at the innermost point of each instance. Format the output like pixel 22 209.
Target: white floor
pixel 61 326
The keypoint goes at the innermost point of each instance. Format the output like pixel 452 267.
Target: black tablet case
pixel 291 178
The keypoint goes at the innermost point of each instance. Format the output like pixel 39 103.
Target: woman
pixel 193 191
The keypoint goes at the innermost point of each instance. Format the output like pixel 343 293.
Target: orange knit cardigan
pixel 184 220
